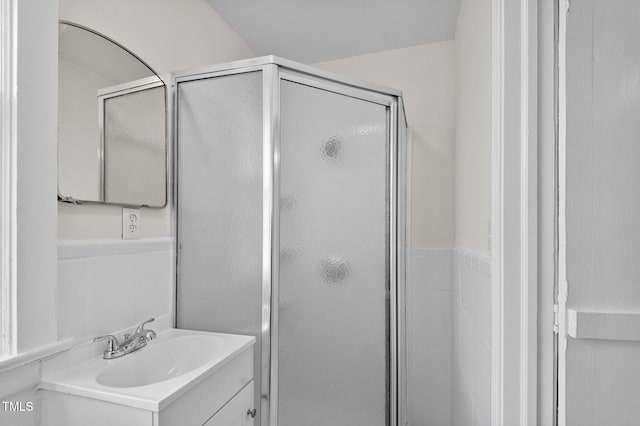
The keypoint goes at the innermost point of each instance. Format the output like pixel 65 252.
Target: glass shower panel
pixel 220 206
pixel 333 312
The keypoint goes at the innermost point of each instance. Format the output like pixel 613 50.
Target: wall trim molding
pixel 514 213
pixel 528 212
pixel 8 175
pixel 476 260
pixel 431 251
pixel 72 249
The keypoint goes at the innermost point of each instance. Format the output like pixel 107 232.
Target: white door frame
pixel 8 176
pixel 29 173
pixel 514 252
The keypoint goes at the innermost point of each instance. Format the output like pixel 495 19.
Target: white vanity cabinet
pixel 67 410
pixel 219 392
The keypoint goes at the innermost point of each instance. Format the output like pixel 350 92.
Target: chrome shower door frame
pixel 268 71
pixel 325 81
pixel 274 70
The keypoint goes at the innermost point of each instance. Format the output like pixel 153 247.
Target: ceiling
pixel 313 31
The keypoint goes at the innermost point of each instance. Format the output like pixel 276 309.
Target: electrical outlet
pixel 131 221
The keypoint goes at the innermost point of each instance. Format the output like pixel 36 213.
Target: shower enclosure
pixel 290 186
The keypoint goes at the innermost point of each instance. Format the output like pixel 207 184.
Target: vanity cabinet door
pixel 236 412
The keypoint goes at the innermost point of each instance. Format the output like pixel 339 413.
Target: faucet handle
pixel 140 328
pixel 112 341
pixel 149 335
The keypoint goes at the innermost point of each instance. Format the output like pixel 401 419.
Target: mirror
pixel 112 144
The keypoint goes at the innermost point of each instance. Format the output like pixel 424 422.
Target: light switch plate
pixel 131 221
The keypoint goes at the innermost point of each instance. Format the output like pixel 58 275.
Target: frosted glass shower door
pixel 220 207
pixel 334 291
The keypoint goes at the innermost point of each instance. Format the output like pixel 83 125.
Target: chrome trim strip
pixel 327 75
pixel 393 251
pixel 226 67
pixel 270 244
pixel 101 143
pixel 336 87
pixel 291 65
pixel 402 263
pixel 403 116
pixel 184 77
pixel 130 87
pixel 172 183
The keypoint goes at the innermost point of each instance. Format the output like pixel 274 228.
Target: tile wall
pixel 109 285
pixel 429 333
pixel 471 361
pixel 449 337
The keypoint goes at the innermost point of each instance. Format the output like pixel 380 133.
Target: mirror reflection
pixel 111 123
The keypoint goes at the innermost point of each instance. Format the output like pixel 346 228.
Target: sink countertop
pixel 82 380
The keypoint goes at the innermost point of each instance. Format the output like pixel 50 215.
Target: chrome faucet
pixel 130 344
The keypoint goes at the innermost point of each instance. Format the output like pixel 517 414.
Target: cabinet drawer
pixel 236 412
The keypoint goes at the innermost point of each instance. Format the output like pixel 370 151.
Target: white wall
pixel 471 369
pixel 473 126
pixel 169 36
pixel 425 75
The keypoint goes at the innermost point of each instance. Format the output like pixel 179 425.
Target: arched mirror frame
pixel 155 80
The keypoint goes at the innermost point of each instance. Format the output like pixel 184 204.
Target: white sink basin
pixel 161 360
pixel 155 375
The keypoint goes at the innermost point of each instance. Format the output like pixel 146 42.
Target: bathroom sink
pixel 159 373
pixel 161 360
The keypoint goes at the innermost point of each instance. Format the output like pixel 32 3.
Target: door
pixel 600 381
pixel 334 290
pixel 219 154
